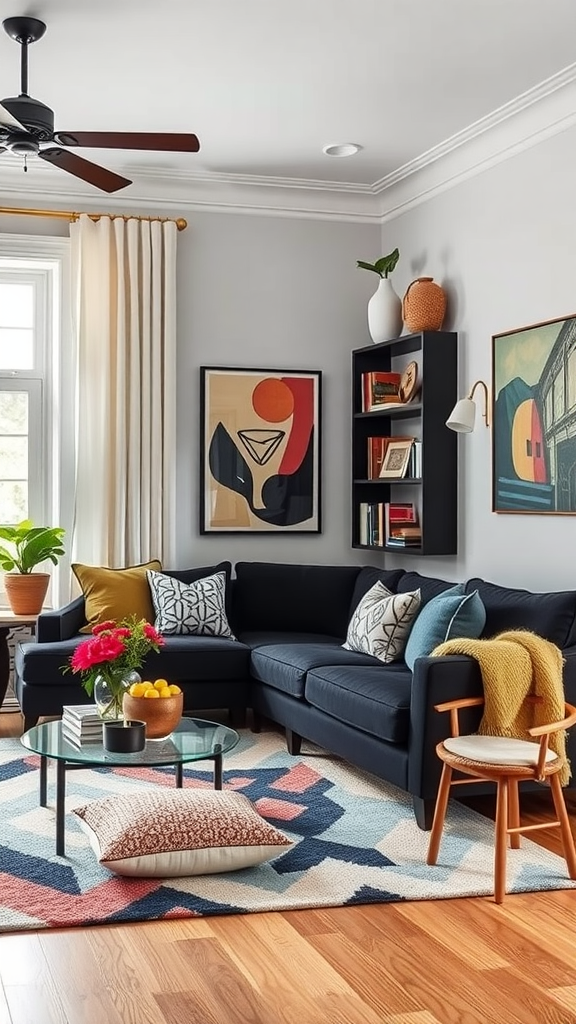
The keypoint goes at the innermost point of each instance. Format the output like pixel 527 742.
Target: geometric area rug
pixel 356 841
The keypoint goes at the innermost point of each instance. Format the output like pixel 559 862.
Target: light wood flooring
pixel 437 962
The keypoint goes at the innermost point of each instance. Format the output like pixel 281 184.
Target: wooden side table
pixel 9 621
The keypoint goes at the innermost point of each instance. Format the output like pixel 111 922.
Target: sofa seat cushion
pixel 182 658
pixel 373 698
pixel 285 666
pixel 551 615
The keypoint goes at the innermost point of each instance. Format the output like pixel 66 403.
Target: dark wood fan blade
pixel 175 143
pixel 102 178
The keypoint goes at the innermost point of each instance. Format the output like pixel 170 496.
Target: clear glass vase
pixel 109 689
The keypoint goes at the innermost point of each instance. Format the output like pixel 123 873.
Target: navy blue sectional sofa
pixel 288 665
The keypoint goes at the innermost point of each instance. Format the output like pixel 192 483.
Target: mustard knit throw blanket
pixel 514 664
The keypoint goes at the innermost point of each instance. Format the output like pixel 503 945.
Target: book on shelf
pixel 380 387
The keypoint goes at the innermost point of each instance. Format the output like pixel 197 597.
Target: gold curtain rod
pixel 181 224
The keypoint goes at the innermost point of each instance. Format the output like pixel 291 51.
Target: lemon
pixel 174 689
pixel 160 684
pixel 151 692
pixel 165 692
pixel 138 689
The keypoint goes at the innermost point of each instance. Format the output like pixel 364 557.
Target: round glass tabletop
pixel 193 740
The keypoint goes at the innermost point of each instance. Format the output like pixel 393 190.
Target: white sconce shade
pixel 463 415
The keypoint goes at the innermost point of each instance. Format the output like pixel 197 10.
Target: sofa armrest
pixel 434 681
pixel 61 624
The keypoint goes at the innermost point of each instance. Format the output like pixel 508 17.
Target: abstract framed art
pixel 260 450
pixel 534 419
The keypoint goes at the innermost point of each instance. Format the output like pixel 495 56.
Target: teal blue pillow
pixel 450 615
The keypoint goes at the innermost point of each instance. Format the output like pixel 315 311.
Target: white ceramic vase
pixel 384 313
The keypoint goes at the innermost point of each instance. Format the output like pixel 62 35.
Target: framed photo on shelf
pixel 260 448
pixel 534 419
pixel 396 457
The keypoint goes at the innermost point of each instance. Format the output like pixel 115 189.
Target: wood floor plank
pixel 5 1016
pixel 455 929
pixel 366 973
pixel 80 979
pixel 219 985
pixel 127 983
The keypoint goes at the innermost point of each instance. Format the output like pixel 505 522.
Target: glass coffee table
pixel 193 740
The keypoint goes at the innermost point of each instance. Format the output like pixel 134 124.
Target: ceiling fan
pixel 26 123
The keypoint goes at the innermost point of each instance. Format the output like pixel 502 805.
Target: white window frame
pixel 45 261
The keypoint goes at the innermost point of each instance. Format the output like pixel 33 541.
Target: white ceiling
pixel 265 84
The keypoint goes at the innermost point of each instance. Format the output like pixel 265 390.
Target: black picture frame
pixel 260 450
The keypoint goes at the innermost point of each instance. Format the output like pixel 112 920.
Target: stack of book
pixel 81 724
pixel 401 526
pixel 380 387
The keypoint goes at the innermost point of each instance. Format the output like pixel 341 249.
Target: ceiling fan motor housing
pixel 34 115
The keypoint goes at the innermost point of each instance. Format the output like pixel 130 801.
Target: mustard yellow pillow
pixel 115 593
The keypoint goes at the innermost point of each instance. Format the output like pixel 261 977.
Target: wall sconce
pixel 462 417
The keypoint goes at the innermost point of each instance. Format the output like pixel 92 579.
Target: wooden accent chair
pixel 506 762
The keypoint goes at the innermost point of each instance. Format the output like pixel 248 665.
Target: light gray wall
pixel 503 245
pixel 272 292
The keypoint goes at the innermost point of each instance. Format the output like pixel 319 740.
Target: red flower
pixel 114 648
pixel 152 634
pixel 103 627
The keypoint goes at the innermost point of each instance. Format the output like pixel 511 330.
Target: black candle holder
pixel 127 737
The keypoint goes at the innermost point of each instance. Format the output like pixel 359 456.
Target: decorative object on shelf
pixel 463 415
pixel 396 457
pixel 409 383
pixel 127 737
pixel 533 417
pixel 424 305
pixel 31 545
pixel 160 716
pixel 108 661
pixel 260 451
pixel 384 307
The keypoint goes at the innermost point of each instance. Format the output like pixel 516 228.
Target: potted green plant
pixel 29 546
pixel 384 307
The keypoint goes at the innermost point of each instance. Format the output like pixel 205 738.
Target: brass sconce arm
pixel 480 383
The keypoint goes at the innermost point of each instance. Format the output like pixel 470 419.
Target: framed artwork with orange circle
pixel 260 450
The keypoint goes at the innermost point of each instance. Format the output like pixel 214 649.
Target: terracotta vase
pixel 424 305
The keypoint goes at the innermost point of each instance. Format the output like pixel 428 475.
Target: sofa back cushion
pixel 368 576
pixel 298 598
pixel 551 615
pixel 429 586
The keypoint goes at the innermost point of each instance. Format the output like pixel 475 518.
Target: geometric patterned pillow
pixel 197 608
pixel 382 622
pixel 167 833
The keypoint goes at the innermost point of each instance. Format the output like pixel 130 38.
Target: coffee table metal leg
pixel 217 771
pixel 43 781
pixel 60 806
pixel 178 773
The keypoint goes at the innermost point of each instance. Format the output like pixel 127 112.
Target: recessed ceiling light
pixel 341 149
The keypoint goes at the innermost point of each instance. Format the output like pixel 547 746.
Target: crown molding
pixel 539 113
pixel 529 119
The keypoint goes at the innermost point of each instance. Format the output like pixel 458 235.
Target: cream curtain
pixel 124 275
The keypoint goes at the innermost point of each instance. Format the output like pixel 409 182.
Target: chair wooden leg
pixel 514 812
pixel 501 840
pixel 565 830
pixel 439 814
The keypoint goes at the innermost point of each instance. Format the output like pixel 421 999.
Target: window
pixel 36 386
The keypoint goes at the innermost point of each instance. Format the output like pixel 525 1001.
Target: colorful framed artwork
pixel 534 419
pixel 260 450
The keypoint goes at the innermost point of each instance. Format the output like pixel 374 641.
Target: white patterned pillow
pixel 382 622
pixel 197 607
pixel 170 833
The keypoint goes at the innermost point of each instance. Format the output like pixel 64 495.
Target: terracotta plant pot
pixel 424 305
pixel 26 591
pixel 161 715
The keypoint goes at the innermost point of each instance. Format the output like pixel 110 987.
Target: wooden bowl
pixel 160 714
